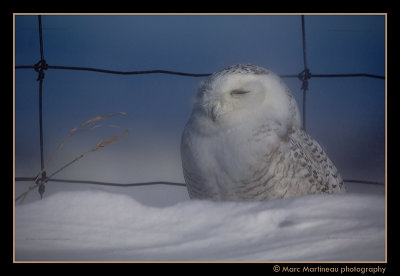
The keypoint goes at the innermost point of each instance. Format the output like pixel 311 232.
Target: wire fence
pixel 42 66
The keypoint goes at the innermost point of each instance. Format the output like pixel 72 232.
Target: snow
pixel 101 225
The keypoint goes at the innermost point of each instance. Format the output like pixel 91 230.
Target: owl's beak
pixel 216 110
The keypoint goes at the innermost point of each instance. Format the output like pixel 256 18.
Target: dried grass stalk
pixel 98 146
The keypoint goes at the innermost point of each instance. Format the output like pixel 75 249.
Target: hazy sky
pixel 346 115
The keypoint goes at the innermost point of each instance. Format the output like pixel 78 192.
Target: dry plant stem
pixel 98 146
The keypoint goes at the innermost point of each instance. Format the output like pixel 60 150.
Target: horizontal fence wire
pixel 142 72
pixel 153 182
pixel 104 183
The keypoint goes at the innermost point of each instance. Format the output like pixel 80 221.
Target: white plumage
pixel 244 141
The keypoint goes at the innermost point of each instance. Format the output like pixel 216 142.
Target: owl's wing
pixel 320 170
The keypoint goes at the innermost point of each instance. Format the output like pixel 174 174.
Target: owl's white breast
pixel 223 159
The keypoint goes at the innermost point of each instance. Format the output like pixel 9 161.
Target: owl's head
pixel 242 94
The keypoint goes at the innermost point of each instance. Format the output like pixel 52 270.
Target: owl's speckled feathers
pixel 244 141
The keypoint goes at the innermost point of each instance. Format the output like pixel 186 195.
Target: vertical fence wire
pixel 41 66
pixel 305 74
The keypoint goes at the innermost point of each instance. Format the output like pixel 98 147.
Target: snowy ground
pixel 93 224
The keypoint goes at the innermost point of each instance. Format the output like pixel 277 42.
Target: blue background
pixel 345 115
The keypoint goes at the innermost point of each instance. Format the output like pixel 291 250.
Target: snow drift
pixel 105 226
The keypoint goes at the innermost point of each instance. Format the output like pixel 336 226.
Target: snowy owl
pixel 244 141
